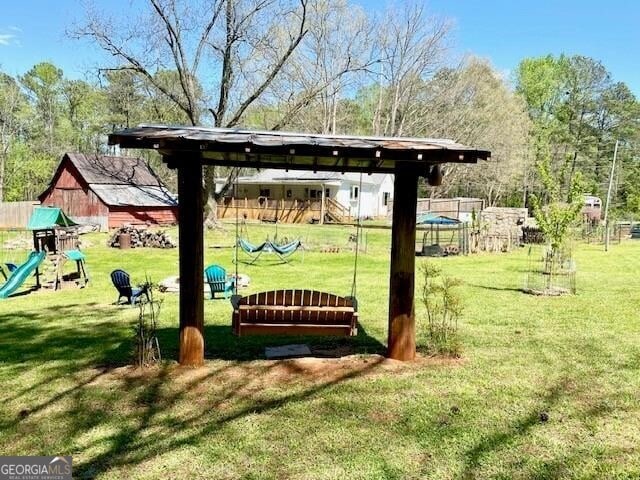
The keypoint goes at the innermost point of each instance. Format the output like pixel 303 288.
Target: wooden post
pixel 402 331
pixel 191 247
pixel 36 247
pixel 322 200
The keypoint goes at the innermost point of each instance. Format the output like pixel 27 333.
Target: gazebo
pixel 188 149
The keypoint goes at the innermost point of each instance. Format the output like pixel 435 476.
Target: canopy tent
pixel 187 149
pixel 440 224
pixel 46 218
pixel 431 219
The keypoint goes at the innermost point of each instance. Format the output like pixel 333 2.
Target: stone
pixel 287 351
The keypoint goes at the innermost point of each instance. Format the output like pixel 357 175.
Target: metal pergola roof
pixel 296 151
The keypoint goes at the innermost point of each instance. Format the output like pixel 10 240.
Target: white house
pixel 331 195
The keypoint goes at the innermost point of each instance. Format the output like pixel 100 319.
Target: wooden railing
pixel 268 203
pixel 336 210
pixel 293 211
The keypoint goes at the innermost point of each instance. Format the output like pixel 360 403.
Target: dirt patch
pixel 261 374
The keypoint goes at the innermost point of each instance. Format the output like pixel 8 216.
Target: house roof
pixel 111 170
pixel 273 176
pixel 295 151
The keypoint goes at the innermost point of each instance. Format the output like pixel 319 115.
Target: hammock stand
pixel 283 252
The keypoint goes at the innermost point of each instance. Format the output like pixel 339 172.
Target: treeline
pixel 327 67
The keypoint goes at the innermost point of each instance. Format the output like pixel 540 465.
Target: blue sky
pixel 503 31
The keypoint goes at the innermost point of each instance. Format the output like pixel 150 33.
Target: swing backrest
pixel 295 312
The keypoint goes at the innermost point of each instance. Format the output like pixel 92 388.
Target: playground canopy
pixel 45 218
pixel 187 149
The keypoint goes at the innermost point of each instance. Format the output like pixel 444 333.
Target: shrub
pixel 443 307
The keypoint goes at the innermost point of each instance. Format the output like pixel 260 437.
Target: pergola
pixel 187 149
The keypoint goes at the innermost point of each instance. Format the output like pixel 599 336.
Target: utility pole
pixel 606 208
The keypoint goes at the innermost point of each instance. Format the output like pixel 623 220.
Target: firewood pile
pixel 141 237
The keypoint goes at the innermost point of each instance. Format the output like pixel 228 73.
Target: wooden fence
pixel 495 243
pixel 458 208
pixel 16 214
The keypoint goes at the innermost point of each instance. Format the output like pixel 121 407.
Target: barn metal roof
pixel 134 195
pixel 296 151
pixel 105 169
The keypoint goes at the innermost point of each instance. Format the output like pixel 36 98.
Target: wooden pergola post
pixel 402 322
pixel 191 248
pixel 322 206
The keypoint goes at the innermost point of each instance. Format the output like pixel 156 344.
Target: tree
pixel 412 49
pixel 578 113
pixel 43 84
pixel 334 56
pixel 562 209
pixel 238 46
pixel 474 105
pixel 12 105
pixel 471 104
pixel 84 115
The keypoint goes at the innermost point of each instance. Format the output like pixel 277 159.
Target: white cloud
pixel 7 39
pixel 13 28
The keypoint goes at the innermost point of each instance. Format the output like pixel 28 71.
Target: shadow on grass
pixel 221 344
pixel 72 397
pixel 83 341
pixel 520 428
pixel 154 428
pixel 494 288
pixel 101 339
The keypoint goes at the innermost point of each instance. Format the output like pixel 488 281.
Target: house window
pixel 327 192
pixel 313 193
pixel 289 193
pixel 355 192
pixel 385 198
pixel 265 192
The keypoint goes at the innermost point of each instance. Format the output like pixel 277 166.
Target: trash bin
pixel 124 239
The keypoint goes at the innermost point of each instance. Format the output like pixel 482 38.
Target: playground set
pixel 55 243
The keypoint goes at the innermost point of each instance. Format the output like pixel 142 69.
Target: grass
pixel 66 387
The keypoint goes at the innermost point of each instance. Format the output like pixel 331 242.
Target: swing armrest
pixel 354 302
pixel 235 301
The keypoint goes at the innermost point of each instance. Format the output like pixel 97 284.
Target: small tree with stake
pixel 556 218
pixel 444 307
pixel 147 347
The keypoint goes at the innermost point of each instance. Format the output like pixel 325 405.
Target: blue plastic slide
pixel 20 274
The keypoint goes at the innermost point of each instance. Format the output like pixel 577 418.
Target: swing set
pixel 293 311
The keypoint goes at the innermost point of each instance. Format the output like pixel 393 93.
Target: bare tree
pixel 412 48
pixel 474 105
pixel 233 48
pixel 335 56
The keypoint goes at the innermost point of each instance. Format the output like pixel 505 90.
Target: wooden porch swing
pixel 297 312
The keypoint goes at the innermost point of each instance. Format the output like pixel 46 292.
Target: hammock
pixel 282 251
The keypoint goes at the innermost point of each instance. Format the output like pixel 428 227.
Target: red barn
pixel 110 191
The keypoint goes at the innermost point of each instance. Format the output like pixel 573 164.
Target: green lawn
pixel 66 387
